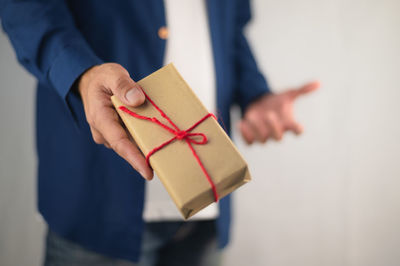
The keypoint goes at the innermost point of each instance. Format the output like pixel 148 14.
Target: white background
pixel 328 198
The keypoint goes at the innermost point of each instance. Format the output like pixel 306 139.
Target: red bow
pixel 186 135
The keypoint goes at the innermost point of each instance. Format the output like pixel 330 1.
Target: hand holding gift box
pixel 184 144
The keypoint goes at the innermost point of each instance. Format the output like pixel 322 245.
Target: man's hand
pixel 272 115
pixel 96 86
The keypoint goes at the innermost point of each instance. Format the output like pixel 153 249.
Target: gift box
pixel 189 151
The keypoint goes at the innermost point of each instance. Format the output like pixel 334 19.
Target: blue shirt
pixel 87 193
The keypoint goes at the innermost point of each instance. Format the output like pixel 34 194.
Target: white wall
pixel 21 229
pixel 327 198
pixel 330 197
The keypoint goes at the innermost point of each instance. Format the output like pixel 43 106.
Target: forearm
pixel 46 41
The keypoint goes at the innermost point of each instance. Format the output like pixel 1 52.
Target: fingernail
pixel 133 96
pixel 145 176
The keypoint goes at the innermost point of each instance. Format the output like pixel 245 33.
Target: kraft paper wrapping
pixel 175 164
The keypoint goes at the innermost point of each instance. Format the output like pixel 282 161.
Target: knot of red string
pixel 184 135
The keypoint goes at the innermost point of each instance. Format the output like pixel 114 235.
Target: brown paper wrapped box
pixel 175 163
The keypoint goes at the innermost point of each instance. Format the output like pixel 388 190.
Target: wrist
pixel 83 81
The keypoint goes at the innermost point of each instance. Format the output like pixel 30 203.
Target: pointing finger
pixel 307 88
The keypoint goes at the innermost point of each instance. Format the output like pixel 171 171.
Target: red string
pixel 186 135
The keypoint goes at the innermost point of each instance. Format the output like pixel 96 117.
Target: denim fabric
pixel 164 244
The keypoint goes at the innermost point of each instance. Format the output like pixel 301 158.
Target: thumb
pixel 129 92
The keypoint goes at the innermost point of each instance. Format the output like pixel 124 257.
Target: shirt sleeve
pixel 47 42
pixel 250 83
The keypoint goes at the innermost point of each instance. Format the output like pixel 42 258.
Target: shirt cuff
pixel 73 60
pixel 69 64
pixel 250 95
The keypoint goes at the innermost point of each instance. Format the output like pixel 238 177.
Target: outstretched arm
pixel 47 42
pixel 49 45
pixel 265 115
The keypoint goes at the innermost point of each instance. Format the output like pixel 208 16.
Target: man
pixel 91 198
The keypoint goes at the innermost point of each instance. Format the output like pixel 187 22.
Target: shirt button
pixel 163 33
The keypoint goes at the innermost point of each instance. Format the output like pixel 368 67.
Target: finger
pixel 128 91
pixel 260 128
pixel 247 132
pixel 275 125
pixel 307 88
pixel 97 137
pixel 295 127
pixel 119 141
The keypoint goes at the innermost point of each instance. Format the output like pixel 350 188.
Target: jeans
pixel 164 244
